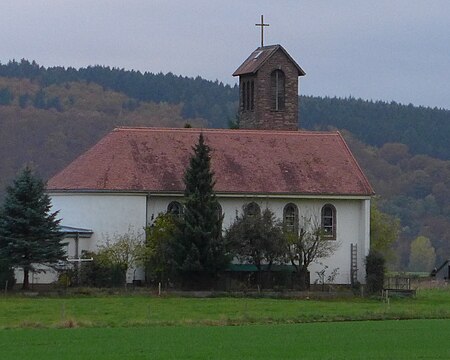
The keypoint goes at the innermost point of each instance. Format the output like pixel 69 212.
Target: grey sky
pixel 381 50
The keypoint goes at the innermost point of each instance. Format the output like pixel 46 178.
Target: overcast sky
pixel 381 50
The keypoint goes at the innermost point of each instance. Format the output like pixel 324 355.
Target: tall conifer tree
pixel 202 226
pixel 28 230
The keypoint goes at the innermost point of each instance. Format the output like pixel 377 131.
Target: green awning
pixel 252 268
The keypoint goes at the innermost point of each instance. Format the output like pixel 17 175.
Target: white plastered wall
pixel 352 226
pixel 107 215
pixel 112 214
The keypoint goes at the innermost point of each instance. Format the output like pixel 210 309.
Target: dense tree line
pixel 424 130
pixel 210 100
pixel 413 188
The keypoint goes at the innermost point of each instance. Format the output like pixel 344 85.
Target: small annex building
pixel 133 174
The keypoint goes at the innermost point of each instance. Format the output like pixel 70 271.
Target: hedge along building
pixel 133 174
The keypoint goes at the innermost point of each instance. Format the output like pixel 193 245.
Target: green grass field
pixel 412 339
pixel 141 310
pixel 143 326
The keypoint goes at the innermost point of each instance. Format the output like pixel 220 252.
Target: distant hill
pixel 413 188
pixel 48 116
pixel 212 101
pixel 423 130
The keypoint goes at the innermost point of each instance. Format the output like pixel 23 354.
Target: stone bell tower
pixel 268 88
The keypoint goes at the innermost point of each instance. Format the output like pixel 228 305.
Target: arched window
pixel 290 218
pixel 252 209
pixel 277 84
pixel 329 221
pixel 244 95
pixel 248 95
pixel 248 100
pixel 252 95
pixel 175 208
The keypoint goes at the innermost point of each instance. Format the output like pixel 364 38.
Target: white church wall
pixel 107 215
pixel 112 214
pixel 352 226
pixel 47 276
pixel 350 229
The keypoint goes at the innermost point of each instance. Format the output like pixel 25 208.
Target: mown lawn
pixel 142 310
pixel 412 339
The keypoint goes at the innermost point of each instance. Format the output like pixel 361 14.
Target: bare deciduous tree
pixel 308 245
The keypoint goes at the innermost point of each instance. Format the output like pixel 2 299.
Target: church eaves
pixel 244 162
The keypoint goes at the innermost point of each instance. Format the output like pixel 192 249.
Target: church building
pixel 133 174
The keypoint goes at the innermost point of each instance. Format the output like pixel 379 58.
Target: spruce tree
pixel 29 233
pixel 204 250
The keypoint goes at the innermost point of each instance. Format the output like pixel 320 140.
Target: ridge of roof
pixel 227 131
pixel 254 62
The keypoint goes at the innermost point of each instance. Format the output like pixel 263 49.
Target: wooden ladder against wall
pixel 354 263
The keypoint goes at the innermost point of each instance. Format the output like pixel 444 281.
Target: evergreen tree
pixel 6 96
pixel 39 100
pixel 23 100
pixel 28 230
pixel 204 249
pixel 7 279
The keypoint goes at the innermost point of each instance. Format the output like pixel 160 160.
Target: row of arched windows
pixel 291 219
pixel 290 216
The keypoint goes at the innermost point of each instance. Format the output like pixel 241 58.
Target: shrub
pixel 375 269
pixel 100 273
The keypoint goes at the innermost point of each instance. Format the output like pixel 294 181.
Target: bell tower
pixel 268 89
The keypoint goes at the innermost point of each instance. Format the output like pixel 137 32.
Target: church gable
pixel 244 162
pixel 260 56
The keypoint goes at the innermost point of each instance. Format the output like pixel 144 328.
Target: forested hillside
pixel 48 116
pixel 209 100
pixel 423 130
pixel 413 188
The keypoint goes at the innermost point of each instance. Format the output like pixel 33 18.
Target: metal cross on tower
pixel 262 29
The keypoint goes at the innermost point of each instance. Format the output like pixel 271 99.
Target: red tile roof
pixel 258 57
pixel 244 161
